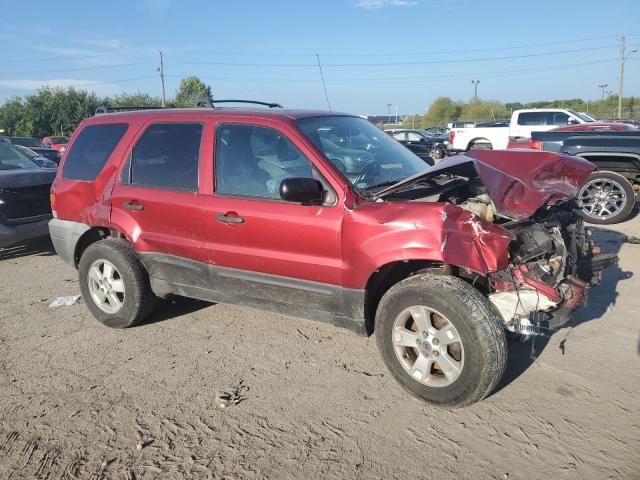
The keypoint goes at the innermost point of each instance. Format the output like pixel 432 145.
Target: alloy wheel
pixel 428 346
pixel 602 198
pixel 106 286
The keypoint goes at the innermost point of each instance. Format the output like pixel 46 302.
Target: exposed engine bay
pixel 552 259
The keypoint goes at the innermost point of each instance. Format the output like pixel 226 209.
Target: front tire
pixel 114 284
pixel 441 339
pixel 606 198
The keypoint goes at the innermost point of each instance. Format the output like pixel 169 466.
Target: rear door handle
pixel 133 206
pixel 229 217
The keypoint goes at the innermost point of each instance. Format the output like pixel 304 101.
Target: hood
pixel 517 181
pixel 26 178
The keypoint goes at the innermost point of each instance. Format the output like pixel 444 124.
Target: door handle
pixel 229 217
pixel 133 206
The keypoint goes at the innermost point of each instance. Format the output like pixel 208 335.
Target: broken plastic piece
pixel 65 301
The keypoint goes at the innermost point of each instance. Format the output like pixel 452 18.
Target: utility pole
pixel 622 59
pixel 396 115
pixel 161 70
pixel 413 120
pixel 389 112
pixel 475 90
pixel 621 77
pixel 603 86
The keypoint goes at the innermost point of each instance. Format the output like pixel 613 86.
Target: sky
pixel 373 53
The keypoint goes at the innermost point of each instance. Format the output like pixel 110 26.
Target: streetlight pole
pixel 389 112
pixel 622 59
pixel 603 86
pixel 396 115
pixel 475 90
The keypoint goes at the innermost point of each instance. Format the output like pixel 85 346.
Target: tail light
pixel 452 135
pixel 535 144
pixel 52 200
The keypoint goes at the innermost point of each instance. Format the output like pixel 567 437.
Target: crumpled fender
pixel 380 233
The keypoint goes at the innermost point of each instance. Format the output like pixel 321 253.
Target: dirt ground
pixel 302 399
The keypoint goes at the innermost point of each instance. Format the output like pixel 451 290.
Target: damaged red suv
pixel 323 216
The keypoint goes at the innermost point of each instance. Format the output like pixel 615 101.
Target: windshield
pixel 12 159
pixel 26 151
pixel 365 155
pixel 582 116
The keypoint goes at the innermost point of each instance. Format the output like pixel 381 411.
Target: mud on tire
pixel 476 324
pixel 137 299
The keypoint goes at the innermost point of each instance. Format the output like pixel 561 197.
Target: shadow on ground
pixel 174 307
pixel 38 247
pixel 600 299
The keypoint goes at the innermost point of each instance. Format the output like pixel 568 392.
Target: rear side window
pixel 166 156
pixel 557 118
pixel 531 118
pixel 91 150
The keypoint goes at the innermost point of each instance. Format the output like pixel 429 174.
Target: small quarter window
pixel 91 150
pixel 166 156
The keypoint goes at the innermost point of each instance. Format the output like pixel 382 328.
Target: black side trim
pixel 328 303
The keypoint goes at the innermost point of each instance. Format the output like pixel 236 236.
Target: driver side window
pixel 252 161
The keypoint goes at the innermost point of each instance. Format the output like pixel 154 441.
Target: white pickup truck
pixel 523 122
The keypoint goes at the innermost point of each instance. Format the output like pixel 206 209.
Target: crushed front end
pixel 552 263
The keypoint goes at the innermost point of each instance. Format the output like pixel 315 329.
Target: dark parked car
pixel 25 210
pixel 608 196
pixel 35 145
pixel 321 215
pixel 422 143
pixel 37 158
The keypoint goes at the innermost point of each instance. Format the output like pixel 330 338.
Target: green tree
pixel 55 111
pixel 412 121
pixel 138 99
pixel 441 111
pixel 11 114
pixel 485 111
pixel 190 91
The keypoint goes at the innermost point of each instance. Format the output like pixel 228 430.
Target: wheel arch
pixel 477 140
pixel 388 275
pixel 94 234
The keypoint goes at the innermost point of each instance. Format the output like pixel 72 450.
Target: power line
pixel 394 53
pixel 430 62
pixel 79 85
pixel 75 69
pixel 400 78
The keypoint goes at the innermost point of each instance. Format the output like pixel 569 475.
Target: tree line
pixel 444 110
pixel 58 111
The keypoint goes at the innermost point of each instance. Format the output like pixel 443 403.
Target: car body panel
pixel 518 182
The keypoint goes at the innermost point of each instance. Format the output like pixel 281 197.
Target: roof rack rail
pixel 102 109
pixel 207 102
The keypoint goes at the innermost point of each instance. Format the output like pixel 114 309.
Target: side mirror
pixel 572 121
pixel 422 140
pixel 302 190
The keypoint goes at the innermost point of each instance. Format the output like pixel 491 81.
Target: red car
pixel 324 216
pixel 55 143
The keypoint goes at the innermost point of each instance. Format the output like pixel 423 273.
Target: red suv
pixel 324 216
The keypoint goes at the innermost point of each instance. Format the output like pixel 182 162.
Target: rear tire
pixel 475 330
pixel 126 298
pixel 606 198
